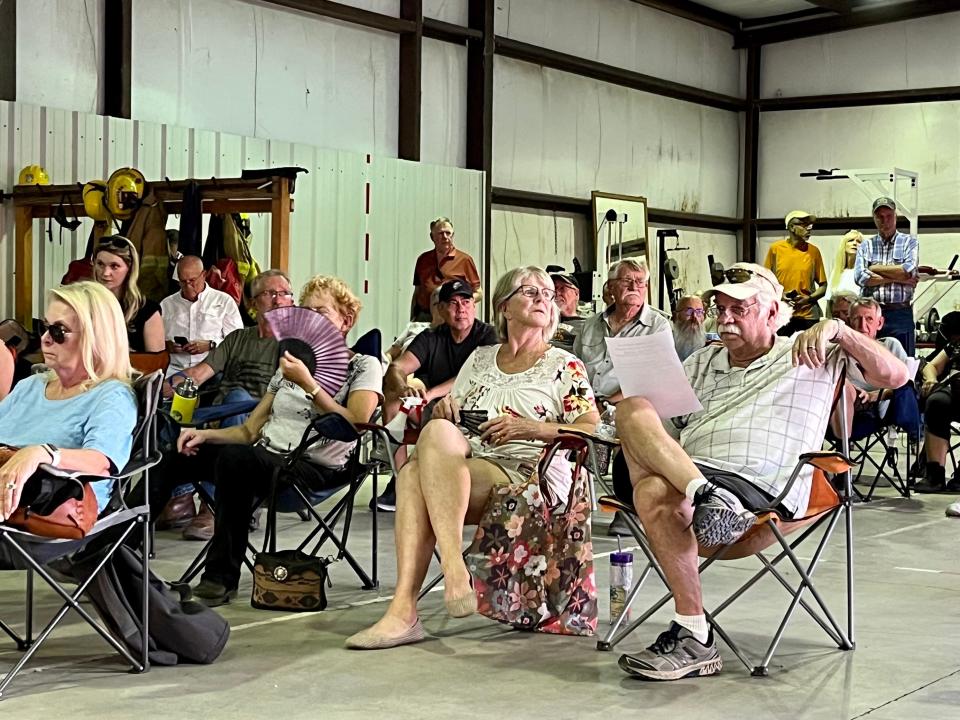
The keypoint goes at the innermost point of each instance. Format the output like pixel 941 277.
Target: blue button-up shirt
pixel 902 250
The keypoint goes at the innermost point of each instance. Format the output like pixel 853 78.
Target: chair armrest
pixel 584 435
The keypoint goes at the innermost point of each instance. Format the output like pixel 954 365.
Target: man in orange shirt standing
pixel 799 268
pixel 437 266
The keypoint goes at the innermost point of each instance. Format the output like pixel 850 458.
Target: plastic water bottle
pixel 621 580
pixel 606 429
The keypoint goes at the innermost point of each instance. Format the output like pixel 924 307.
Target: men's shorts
pixel 752 497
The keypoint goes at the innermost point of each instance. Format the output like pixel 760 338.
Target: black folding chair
pixel 21 550
pixel 863 449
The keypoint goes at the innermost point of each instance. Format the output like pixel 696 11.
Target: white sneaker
pixel 953 509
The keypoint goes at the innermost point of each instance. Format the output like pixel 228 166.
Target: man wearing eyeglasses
pixel 629 316
pixel 246 360
pixel 699 479
pixel 798 266
pixel 688 332
pixel 198 314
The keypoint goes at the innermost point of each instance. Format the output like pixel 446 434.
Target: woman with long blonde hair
pixel 841 278
pixel 80 414
pixel 116 266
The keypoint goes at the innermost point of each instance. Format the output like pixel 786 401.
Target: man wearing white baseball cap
pixel 699 478
pixel 798 265
pixel 886 270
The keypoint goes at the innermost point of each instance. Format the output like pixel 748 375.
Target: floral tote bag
pixel 532 557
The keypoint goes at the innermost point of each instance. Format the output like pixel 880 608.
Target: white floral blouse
pixel 555 389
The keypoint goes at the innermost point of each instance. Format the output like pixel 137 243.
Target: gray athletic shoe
pixel 676 654
pixel 719 517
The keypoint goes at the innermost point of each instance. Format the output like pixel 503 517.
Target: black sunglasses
pixel 58 333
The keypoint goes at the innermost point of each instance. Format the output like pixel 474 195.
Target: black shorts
pixel 752 497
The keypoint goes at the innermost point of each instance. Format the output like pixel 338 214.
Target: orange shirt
pixel 797 270
pixel 429 274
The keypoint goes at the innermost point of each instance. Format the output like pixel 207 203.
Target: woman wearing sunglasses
pixel 530 391
pixel 116 266
pixel 80 414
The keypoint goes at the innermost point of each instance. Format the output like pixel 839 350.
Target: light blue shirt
pixel 101 419
pixel 902 250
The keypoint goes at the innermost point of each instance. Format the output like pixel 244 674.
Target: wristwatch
pixel 54 453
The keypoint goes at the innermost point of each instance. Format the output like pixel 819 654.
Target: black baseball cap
pixel 452 288
pixel 567 278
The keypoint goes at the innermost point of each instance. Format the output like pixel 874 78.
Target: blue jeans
pixel 237 396
pixel 904 413
pixel 899 324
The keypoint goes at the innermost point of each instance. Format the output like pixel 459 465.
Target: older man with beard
pixel 698 479
pixel 689 334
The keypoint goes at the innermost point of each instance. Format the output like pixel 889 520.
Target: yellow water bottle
pixel 184 401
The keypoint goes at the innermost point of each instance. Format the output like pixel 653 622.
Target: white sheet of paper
pixel 648 366
pixel 913 364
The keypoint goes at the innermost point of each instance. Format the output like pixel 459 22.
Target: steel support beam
pixel 860 18
pixel 696 12
pixel 410 73
pixel 480 113
pixel 613 74
pixel 117 57
pixel 350 14
pixel 751 153
pixel 881 97
pixel 8 50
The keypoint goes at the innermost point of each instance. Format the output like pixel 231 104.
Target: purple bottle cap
pixel 621 558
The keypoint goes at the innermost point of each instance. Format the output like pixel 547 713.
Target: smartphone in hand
pixel 180 340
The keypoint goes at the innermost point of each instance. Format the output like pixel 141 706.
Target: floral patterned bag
pixel 532 558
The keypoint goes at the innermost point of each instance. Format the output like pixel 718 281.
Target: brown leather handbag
pixel 60 507
pixel 289 580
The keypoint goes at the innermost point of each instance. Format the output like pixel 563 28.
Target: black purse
pixel 289 580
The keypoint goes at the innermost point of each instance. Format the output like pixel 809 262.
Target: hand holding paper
pixel 648 366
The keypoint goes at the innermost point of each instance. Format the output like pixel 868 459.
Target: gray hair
pixel 440 221
pixel 867 302
pixel 508 284
pixel 256 284
pixel 841 295
pixel 632 264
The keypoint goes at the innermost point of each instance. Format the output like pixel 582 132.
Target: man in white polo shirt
pixel 197 318
pixel 696 479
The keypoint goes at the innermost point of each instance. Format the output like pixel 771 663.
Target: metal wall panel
pixel 329 225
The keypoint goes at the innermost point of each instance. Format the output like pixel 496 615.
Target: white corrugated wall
pixel 329 225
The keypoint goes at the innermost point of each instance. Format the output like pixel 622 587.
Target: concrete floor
pixel 294 666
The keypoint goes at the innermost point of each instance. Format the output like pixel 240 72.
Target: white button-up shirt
pixel 212 316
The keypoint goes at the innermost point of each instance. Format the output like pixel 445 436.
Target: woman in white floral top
pixel 530 391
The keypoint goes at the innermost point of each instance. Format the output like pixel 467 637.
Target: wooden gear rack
pixel 220 196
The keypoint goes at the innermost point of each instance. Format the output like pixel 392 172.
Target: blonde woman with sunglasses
pixel 116 266
pixel 80 414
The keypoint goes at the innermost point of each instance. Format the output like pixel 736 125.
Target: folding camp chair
pixel 21 550
pixel 292 496
pixel 828 502
pixel 884 438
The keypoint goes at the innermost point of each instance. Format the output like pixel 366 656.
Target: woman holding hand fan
pixel 339 382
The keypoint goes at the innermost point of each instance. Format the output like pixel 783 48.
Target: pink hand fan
pixel 314 340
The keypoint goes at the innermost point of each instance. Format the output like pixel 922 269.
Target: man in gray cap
pixel 567 298
pixel 886 270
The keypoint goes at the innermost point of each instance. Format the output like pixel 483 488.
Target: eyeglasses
pixel 532 292
pixel 630 283
pixel 274 294
pixel 742 275
pixel 58 333
pixel 738 311
pixel 693 312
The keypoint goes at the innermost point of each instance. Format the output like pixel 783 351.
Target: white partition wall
pixel 332 230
